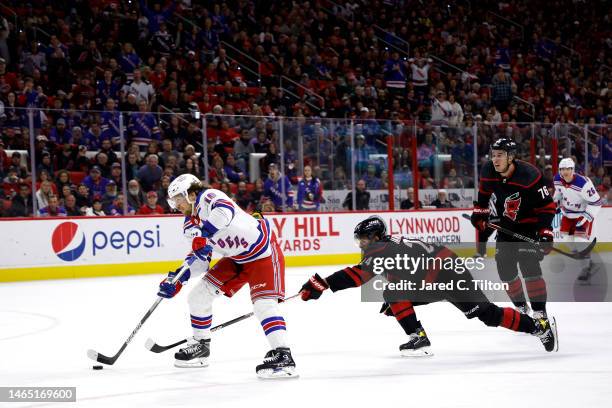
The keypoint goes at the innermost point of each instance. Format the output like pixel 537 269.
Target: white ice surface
pixel 347 354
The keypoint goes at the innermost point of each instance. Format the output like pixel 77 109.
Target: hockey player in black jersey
pixel 375 243
pixel 522 204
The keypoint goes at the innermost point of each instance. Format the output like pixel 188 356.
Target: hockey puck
pixel 97 367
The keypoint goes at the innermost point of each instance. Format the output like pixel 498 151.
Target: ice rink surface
pixel 346 353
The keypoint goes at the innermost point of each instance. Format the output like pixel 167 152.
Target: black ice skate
pixel 277 364
pixel 418 345
pixel 194 355
pixel 546 330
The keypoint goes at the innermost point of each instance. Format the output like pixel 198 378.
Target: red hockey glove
pixel 479 218
pixel 545 237
pixel 313 289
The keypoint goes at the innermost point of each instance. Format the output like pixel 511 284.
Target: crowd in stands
pixel 451 74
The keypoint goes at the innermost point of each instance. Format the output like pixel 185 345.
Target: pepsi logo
pixel 68 241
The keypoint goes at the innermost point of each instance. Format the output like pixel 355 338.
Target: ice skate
pixel 277 364
pixel 195 355
pixel 546 330
pixel 418 345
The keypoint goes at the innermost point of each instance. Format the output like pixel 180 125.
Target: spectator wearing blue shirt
pixel 273 189
pixel 95 182
pixel 117 207
pixel 107 89
pixel 157 16
pixel 309 191
pixel 110 123
pixel 59 134
pixel 143 127
pixel 129 60
pixel 232 171
pixel 372 182
pixel 150 174
pixel 53 209
pixel 395 73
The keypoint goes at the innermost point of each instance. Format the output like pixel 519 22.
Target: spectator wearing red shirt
pixel 151 207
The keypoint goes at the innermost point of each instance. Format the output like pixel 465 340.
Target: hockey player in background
pixel 523 205
pixel 372 238
pixel 579 203
pixel 250 255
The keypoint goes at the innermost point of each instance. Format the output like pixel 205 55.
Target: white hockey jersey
pixel 577 197
pixel 230 231
pixel 420 75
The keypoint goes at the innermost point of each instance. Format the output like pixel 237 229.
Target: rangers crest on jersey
pixel 512 205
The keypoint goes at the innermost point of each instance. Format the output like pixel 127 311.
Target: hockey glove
pixel 313 289
pixel 479 218
pixel 545 238
pixel 201 249
pixel 167 289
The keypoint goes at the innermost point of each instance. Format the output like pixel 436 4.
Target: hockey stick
pixel 156 348
pixel 577 255
pixel 101 358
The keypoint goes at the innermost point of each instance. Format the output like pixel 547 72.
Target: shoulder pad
pixel 579 181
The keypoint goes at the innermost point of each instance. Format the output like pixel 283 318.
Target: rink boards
pixel 33 249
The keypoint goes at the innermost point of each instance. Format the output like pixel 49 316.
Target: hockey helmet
pixel 179 189
pixel 371 227
pixel 567 163
pixel 505 144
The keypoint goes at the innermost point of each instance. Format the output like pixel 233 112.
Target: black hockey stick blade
pixel 101 358
pixel 156 348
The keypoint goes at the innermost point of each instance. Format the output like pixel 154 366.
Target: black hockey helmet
pixel 506 145
pixel 371 227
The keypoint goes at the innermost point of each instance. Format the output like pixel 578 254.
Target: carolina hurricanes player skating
pixel 250 255
pixel 523 205
pixel 579 203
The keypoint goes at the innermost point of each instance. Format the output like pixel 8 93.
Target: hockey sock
pixel 516 293
pixel 405 315
pixel 200 308
pixel 272 322
pixel 513 320
pixel 536 290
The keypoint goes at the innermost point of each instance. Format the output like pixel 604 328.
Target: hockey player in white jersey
pixel 250 255
pixel 579 203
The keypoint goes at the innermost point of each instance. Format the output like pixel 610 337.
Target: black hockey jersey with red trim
pixel 372 263
pixel 522 201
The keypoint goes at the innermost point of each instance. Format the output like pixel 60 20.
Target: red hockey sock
pixel 515 291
